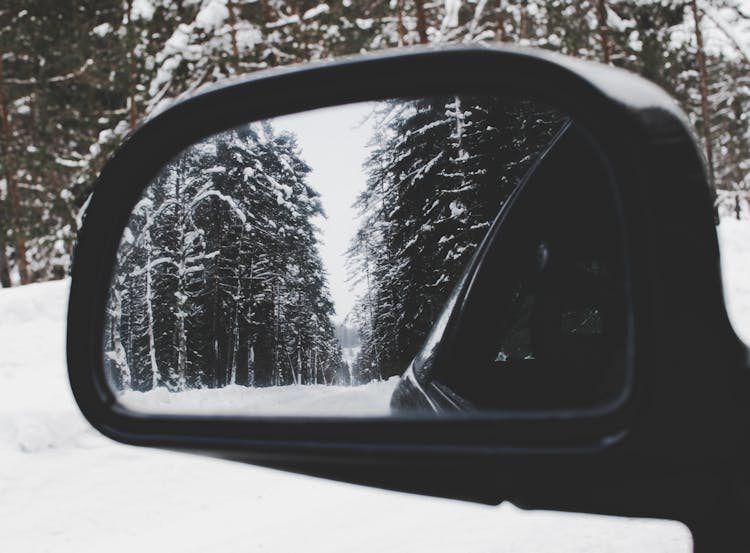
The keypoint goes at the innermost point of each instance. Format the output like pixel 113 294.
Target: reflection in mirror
pixel 734 242
pixel 543 324
pixel 296 266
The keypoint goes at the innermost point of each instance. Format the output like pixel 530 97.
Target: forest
pixel 438 174
pixel 219 279
pixel 77 77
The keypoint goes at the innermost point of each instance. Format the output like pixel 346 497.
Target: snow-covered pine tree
pixel 439 171
pixel 219 279
pixel 77 77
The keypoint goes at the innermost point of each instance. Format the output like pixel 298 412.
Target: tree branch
pixel 57 78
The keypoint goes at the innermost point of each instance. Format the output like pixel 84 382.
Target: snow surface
pixel 367 400
pixel 734 240
pixel 66 488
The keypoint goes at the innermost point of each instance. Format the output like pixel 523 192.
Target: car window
pixel 569 305
pixel 548 308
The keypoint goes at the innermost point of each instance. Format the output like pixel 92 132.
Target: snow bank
pixel 37 410
pixel 734 240
pixel 34 303
pixel 371 399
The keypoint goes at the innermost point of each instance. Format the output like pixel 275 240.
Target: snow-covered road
pixel 65 488
pixel 367 400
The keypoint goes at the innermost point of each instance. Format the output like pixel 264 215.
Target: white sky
pixel 334 144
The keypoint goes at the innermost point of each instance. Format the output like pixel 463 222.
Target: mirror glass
pixel 438 254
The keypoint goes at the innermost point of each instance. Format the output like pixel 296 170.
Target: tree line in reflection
pixel 440 170
pixel 219 280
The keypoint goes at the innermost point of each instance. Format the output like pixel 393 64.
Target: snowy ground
pixel 65 488
pixel 734 238
pixel 367 400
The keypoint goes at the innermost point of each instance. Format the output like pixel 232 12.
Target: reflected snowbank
pixel 367 400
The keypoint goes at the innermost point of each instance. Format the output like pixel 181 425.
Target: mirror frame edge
pixel 639 111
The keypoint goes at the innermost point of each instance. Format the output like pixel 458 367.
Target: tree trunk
pixel 703 86
pixel 4 266
pixel 14 196
pixel 400 22
pixel 300 371
pixel 737 209
pixel 522 20
pixel 251 366
pixel 123 369
pixel 132 108
pixel 233 37
pixel 150 310
pixel 500 32
pixel 421 21
pixel 601 16
pixel 251 336
pixel 236 322
pixel 266 9
pixel 277 315
pixel 181 294
pixel 370 307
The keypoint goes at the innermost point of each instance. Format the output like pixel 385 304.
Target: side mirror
pixel 507 332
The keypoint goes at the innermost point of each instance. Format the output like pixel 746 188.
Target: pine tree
pixel 219 279
pixel 77 78
pixel 440 170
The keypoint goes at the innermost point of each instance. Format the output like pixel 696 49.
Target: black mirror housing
pixel 677 413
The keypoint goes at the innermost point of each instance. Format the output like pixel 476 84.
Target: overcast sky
pixel 334 144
